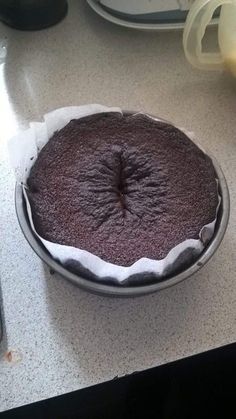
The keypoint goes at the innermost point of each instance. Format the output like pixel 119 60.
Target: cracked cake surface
pixel 121 187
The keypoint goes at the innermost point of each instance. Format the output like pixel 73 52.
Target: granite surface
pixel 58 338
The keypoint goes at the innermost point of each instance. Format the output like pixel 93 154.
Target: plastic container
pixel 197 21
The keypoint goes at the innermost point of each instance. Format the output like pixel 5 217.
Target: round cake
pixel 122 187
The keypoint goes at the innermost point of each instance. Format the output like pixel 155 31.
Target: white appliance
pixel 142 7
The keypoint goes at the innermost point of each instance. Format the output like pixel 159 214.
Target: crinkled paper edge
pixel 24 149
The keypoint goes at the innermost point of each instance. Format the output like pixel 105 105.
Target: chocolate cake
pixel 122 187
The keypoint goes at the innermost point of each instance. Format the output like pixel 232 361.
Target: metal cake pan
pixel 129 291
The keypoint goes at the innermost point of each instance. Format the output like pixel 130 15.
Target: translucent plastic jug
pixel 198 18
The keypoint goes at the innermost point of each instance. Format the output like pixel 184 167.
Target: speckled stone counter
pixel 58 338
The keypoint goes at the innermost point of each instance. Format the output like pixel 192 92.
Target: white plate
pixel 96 6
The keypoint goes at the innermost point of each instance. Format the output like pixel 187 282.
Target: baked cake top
pixel 122 187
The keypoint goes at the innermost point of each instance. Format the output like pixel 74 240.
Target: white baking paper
pixel 24 149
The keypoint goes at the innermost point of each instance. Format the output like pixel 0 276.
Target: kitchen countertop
pixel 59 338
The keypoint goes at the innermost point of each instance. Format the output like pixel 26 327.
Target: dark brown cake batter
pixel 121 187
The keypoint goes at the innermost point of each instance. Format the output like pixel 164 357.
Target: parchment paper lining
pixel 24 149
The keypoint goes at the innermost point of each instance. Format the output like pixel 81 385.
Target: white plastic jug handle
pixel 198 18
